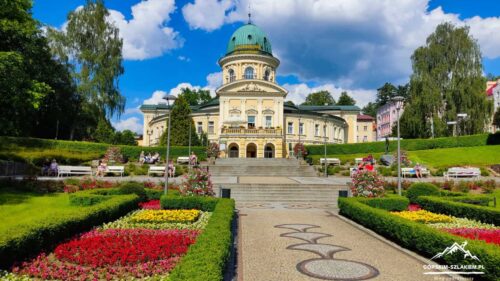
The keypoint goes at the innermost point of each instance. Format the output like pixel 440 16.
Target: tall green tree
pixel 179 130
pixel 196 97
pixel 370 109
pixel 319 98
pixel 447 80
pixel 91 45
pixel 496 118
pixel 345 99
pixel 385 94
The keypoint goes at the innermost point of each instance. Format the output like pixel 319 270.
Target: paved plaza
pixel 311 242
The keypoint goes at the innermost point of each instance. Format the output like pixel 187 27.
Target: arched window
pixel 249 73
pixel 232 76
pixel 267 73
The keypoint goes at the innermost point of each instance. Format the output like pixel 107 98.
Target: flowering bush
pixel 126 223
pixel 198 183
pixel 213 150
pixel 150 205
pixel 299 148
pixel 463 222
pixel 423 216
pixel 488 235
pixel 87 183
pixel 159 216
pixel 414 207
pixel 367 184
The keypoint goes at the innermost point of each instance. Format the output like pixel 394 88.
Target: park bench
pixel 183 160
pixel 74 170
pixel 411 172
pixel 157 170
pixel 116 169
pixel 329 161
pixel 457 172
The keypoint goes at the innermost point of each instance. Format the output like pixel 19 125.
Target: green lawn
pixel 18 209
pixel 438 158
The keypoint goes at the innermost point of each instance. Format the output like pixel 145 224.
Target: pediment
pixel 251 111
pixel 268 111
pixel 235 111
pixel 255 87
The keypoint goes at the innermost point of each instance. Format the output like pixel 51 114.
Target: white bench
pixel 157 170
pixel 457 172
pixel 359 160
pixel 116 169
pixel 411 172
pixel 183 160
pixel 332 161
pixel 74 170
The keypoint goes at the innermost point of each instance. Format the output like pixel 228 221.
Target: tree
pixel 370 109
pixel 179 130
pixel 125 137
pixel 319 98
pixel 496 118
pixel 91 46
pixel 104 132
pixel 345 99
pixel 492 77
pixel 290 103
pixel 385 94
pixel 447 80
pixel 196 97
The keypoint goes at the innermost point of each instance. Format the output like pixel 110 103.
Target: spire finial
pixel 249 13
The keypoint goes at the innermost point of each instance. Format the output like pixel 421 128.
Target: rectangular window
pixel 211 127
pixel 316 130
pixel 269 121
pixel 365 128
pixel 290 127
pixel 365 139
pixel 251 122
pixel 199 128
pixel 301 128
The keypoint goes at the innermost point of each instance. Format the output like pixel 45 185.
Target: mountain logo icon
pixel 456 248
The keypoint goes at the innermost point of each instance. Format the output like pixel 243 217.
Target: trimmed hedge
pixel 406 144
pixel 34 151
pixel 419 237
pixel 421 189
pixel 393 203
pixel 28 240
pixel 207 258
pixel 458 209
pixel 481 200
pixel 86 199
pixel 206 204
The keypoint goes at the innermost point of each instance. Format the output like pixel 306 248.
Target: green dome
pixel 249 39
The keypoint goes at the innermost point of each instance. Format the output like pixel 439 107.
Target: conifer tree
pixel 179 131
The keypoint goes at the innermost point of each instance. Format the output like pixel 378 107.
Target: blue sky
pixel 322 44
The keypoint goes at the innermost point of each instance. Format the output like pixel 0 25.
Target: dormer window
pixel 249 73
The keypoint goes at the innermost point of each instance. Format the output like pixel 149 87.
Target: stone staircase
pixel 284 193
pixel 261 167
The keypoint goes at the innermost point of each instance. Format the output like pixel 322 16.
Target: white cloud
pixel 132 123
pixel 346 42
pixel 298 93
pixel 156 98
pixel 214 81
pixel 132 110
pixel 206 14
pixel 147 35
pixel 183 58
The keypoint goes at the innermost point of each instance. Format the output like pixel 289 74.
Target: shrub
pixel 197 183
pixel 484 172
pixel 393 203
pixel 462 186
pixel 419 237
pixel 299 148
pixel 367 184
pixel 206 204
pixel 345 173
pixel 489 186
pixel 33 185
pixel 480 200
pixel 85 199
pixel 27 240
pixel 206 259
pixel 459 209
pixel 421 189
pixel 134 188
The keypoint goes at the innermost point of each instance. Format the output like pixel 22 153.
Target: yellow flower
pixel 162 216
pixel 423 216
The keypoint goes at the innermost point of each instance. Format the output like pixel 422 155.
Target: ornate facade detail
pixel 251 87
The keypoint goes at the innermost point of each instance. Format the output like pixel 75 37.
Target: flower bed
pixel 126 223
pixel 423 216
pixel 487 235
pixel 162 216
pixel 462 222
pixel 150 205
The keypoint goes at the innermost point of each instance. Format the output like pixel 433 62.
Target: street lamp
pixel 168 98
pixel 189 153
pixel 324 143
pixel 462 117
pixel 398 102
pixel 299 151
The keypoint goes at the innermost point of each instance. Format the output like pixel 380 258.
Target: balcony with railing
pixel 252 131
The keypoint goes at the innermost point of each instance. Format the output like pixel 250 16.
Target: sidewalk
pixel 290 243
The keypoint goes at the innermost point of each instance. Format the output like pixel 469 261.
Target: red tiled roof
pixel 362 117
pixel 489 92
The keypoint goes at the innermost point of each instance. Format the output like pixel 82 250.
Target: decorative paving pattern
pixel 326 267
pixel 277 205
pixel 255 205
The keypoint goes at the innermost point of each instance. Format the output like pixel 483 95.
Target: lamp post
pixel 189 153
pixel 324 144
pixel 398 102
pixel 168 98
pixel 462 117
pixel 299 151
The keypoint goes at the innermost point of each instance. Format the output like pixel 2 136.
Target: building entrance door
pixel 233 151
pixel 251 150
pixel 269 151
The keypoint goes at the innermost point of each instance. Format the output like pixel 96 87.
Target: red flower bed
pixel 414 207
pixel 150 205
pixel 112 254
pixel 487 235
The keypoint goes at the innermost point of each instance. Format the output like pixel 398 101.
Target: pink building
pixel 386 119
